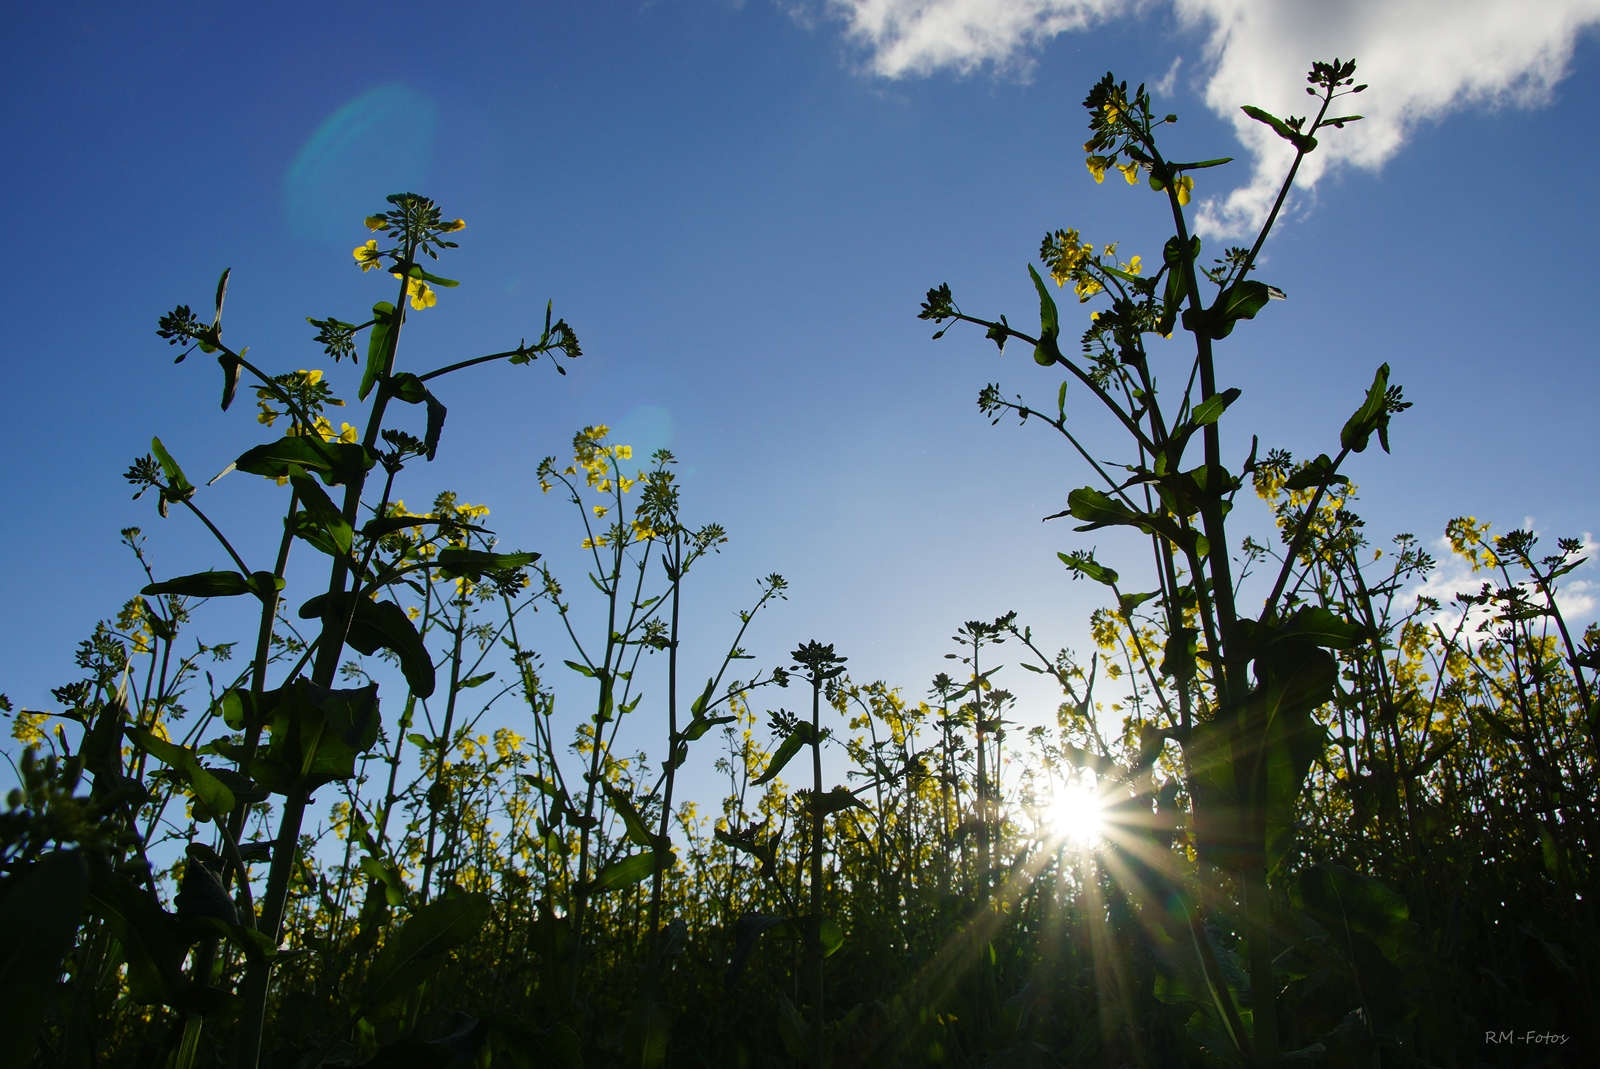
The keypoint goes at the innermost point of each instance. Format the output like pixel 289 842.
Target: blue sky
pixel 739 207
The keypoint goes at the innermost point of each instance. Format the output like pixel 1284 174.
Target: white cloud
pixel 1423 59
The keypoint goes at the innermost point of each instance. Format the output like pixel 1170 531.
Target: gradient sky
pixel 739 207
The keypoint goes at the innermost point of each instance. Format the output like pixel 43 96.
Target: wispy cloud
pixel 1423 59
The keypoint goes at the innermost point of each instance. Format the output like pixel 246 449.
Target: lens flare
pixel 1076 813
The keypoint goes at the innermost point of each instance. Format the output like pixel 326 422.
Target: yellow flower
pixel 1097 166
pixel 421 296
pixel 623 452
pixel 375 222
pixel 600 511
pixel 454 225
pixel 367 255
pixel 1132 266
pixel 625 483
pixel 596 433
pixel 1130 171
pixel 27 728
pixel 1185 186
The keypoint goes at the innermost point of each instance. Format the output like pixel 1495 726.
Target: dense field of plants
pixel 1289 814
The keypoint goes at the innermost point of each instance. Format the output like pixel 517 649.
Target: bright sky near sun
pixel 739 206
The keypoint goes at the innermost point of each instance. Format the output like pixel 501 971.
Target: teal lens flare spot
pixel 382 142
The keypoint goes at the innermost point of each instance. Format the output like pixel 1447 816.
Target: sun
pixel 1076 813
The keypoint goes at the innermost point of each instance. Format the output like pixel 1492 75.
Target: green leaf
pixel 422 946
pixel 581 669
pixel 474 681
pixel 208 789
pixel 830 935
pixel 1128 602
pixel 557 1048
pixel 148 936
pixel 39 917
pixel 1373 415
pixel 1047 351
pixel 626 872
pixel 1088 567
pixel 646 1036
pixel 638 832
pixel 323 512
pixel 1323 627
pixel 1317 472
pixel 317 736
pixel 698 705
pixel 334 462
pixel 1101 510
pixel 377 625
pixel 407 387
pixel 472 563
pixel 794 1031
pixel 179 488
pixel 378 346
pixel 800 736
pixel 417 272
pixel 700 725
pixel 834 801
pixel 1303 142
pixel 1343 901
pixel 1294 678
pixel 1211 409
pixel 1178 660
pixel 202 585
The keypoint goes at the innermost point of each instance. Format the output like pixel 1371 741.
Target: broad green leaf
pixel 176 480
pixel 377 625
pixel 384 319
pixel 1322 627
pixel 626 872
pixel 638 831
pixel 475 681
pixel 1047 351
pixel 1210 410
pixel 323 512
pixel 417 272
pixel 207 788
pixel 794 1031
pixel 1316 472
pixel 834 801
pixel 1101 510
pixel 472 563
pixel 1303 142
pixel 700 725
pixel 1128 602
pixel 698 705
pixel 1085 565
pixel 317 736
pixel 151 944
pixel 1341 900
pixel 1373 415
pixel 1294 677
pixel 555 1048
pixel 39 916
pixel 334 462
pixel 202 585
pixel 581 669
pixel 407 387
pixel 800 736
pixel 422 945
